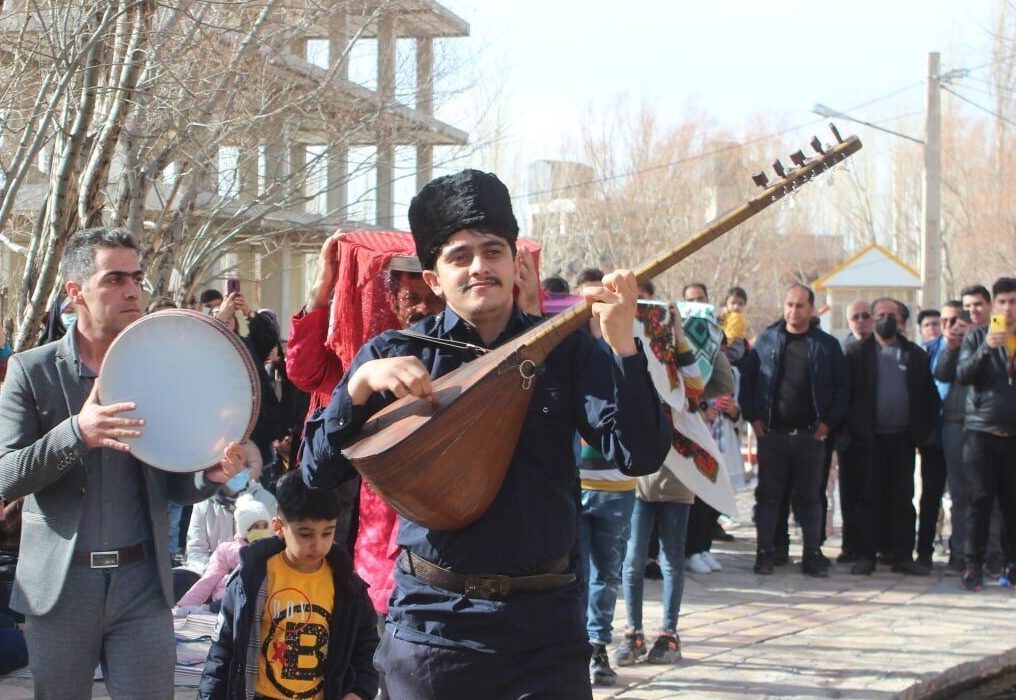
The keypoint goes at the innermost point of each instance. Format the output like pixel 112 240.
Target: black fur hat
pixel 469 199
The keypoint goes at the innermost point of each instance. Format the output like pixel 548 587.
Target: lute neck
pixel 538 342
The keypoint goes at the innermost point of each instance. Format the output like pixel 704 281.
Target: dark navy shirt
pixel 533 520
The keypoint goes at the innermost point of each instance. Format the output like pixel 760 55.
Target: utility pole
pixel 931 241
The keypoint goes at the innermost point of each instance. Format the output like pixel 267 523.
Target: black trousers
pixel 851 480
pixel 991 471
pixel 782 538
pixel 423 672
pixel 885 516
pixel 932 490
pixel 701 519
pixel 794 461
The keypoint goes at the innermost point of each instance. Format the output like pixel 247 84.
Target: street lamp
pixel 830 113
pixel 931 233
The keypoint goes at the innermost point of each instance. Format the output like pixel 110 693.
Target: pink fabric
pixel 376 549
pixel 212 585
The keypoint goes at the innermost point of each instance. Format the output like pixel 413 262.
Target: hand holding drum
pixel 197 389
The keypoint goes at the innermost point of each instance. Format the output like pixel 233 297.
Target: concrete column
pixel 931 249
pixel 424 105
pixel 297 163
pixel 247 171
pixel 276 167
pixel 337 197
pixel 285 309
pixel 385 215
pixel 386 57
pixel 424 165
pixel 425 76
pixel 338 47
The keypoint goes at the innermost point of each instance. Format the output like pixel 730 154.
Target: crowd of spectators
pixel 941 389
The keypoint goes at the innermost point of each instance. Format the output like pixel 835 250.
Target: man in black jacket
pixel 988 365
pixel 893 407
pixel 793 391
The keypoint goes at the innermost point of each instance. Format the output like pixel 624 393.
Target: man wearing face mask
pixel 893 407
pixel 212 521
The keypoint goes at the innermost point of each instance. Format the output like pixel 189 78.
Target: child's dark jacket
pixel 231 668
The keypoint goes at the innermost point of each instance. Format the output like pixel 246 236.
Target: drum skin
pixel 194 383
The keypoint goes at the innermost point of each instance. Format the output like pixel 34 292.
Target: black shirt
pixel 794 405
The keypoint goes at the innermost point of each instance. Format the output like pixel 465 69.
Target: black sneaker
pixel 600 672
pixel 666 650
pixel 993 565
pixel 863 567
pixel 972 579
pixel 956 566
pixel 631 649
pixel 764 562
pixel 781 555
pixel 847 557
pixel 720 534
pixel 652 571
pixel 911 568
pixel 815 564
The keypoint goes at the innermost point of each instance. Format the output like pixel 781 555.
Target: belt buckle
pixel 105 560
pixel 487 586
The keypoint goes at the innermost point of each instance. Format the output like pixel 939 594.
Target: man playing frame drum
pixel 93 578
pixel 515 628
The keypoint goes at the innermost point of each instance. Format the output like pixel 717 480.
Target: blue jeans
pixel 604 525
pixel 673 522
pixel 175 511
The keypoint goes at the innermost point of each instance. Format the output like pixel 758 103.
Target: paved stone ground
pixel 787 635
pixel 749 636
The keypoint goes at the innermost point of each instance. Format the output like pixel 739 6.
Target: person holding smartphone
pixel 955 324
pixel 987 364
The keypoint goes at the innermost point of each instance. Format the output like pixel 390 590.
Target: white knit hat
pixel 248 511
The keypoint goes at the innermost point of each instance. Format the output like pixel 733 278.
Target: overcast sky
pixel 546 66
pixel 558 59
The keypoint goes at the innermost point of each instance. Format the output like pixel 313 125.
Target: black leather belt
pixel 806 430
pixel 111 559
pixel 488 586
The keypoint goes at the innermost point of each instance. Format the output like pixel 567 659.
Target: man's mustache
pixel 488 280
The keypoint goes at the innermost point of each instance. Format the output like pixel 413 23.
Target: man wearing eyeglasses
pixel 860 324
pixel 892 411
pixel 858 321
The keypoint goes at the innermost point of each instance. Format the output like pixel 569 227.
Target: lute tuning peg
pixel 760 179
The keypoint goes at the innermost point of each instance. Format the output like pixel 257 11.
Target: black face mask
pixel 886 327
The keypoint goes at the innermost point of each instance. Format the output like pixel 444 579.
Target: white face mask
pixel 68 318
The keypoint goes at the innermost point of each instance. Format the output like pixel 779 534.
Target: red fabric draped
pixel 361 306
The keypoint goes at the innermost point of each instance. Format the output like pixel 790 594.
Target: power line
pixel 978 106
pixel 708 154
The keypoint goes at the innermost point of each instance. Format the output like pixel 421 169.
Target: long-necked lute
pixel 441 464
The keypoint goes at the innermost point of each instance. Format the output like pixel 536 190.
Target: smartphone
pixel 965 316
pixel 233 285
pixel 997 324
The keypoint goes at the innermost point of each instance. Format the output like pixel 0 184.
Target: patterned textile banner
pixel 694 457
pixel 703 333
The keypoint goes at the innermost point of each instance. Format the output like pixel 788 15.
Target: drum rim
pixel 222 329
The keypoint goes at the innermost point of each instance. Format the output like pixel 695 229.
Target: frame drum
pixel 194 383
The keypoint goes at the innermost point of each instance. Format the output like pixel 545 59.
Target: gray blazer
pixel 41 461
